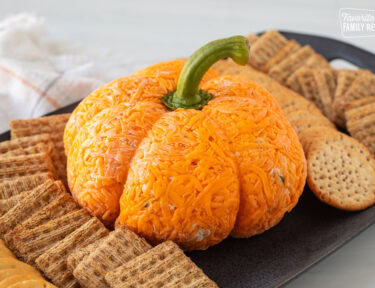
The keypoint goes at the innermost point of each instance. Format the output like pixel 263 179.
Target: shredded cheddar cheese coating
pixel 267 151
pixel 194 177
pixel 183 183
pixel 101 152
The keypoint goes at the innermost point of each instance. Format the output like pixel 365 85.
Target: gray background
pixel 151 31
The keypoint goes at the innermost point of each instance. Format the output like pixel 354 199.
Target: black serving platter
pixel 306 235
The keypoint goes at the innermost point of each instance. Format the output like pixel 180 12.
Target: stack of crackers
pixel 339 93
pixel 48 130
pixel 341 170
pixel 122 259
pixel 43 226
pixel 280 58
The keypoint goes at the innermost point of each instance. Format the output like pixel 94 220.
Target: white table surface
pixel 156 30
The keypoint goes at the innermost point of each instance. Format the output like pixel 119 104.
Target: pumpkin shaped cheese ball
pixel 175 152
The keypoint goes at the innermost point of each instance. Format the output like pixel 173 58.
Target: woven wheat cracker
pixel 7 204
pixel 163 266
pixel 64 204
pixel 360 121
pixel 293 81
pixel 26 183
pixel 80 253
pixel 325 80
pixel 341 172
pixel 317 86
pixel 25 142
pixel 359 108
pixel 331 80
pixel 315 61
pixel 285 68
pixel 18 166
pixel 309 86
pixel 363 131
pixel 266 46
pixel 360 103
pixel 363 86
pixel 290 48
pixel 53 262
pixel 356 110
pixel 52 125
pixel 119 247
pixel 35 201
pixel 34 149
pixel 345 79
pixel 34 242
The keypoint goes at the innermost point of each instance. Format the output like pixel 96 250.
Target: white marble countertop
pixel 151 31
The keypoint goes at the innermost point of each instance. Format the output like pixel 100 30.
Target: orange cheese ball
pixel 194 177
pixel 100 155
pixel 269 157
pixel 182 183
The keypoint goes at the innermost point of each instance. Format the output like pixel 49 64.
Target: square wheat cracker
pixel 53 263
pixel 54 126
pixel 163 265
pixel 26 183
pixel 13 167
pixel 62 205
pixel 34 242
pixel 266 47
pixel 36 200
pixel 119 247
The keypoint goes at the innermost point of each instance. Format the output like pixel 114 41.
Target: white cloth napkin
pixel 39 74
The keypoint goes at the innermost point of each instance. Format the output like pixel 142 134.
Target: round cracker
pixel 302 108
pixel 310 120
pixel 302 114
pixel 341 172
pixel 298 104
pixel 292 100
pixel 315 134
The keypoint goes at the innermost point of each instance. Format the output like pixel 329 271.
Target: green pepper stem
pixel 188 95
